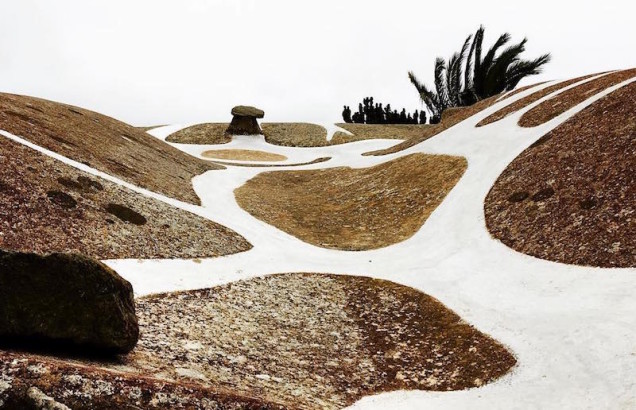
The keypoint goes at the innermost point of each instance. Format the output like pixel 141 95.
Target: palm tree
pixel 498 73
pixel 435 101
pixel 482 77
pixel 448 87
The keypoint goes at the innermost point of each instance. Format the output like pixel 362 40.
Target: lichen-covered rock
pixel 66 299
pixel 41 401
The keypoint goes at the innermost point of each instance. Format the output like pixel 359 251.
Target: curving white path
pixel 572 328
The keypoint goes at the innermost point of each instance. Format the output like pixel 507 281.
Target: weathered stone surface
pixel 244 121
pixel 66 299
pixel 247 111
pixel 243 126
pixel 41 401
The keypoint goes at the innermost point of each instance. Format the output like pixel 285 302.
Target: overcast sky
pixel 151 62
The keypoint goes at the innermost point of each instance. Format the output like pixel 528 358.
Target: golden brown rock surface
pixel 49 206
pixel 103 143
pixel 353 209
pixel 571 196
pixel 308 341
pixel 562 102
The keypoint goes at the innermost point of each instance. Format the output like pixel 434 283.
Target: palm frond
pixel 451 89
pixel 495 81
pixel 440 85
pixel 523 68
pixel 428 97
pixel 477 42
pixel 457 72
pixel 481 74
pixel 468 75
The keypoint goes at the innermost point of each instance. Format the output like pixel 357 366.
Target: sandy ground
pixel 358 132
pixel 265 165
pixel 519 90
pixel 208 133
pixel 571 328
pixel 243 155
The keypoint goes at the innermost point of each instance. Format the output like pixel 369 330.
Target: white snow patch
pixel 572 328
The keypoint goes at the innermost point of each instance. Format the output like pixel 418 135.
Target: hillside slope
pixel 103 143
pixel 49 206
pixel 571 196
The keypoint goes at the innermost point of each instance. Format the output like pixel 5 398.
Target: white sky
pixel 150 62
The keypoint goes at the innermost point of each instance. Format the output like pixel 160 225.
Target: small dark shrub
pixel 370 113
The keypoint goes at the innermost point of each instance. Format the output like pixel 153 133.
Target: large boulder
pixel 244 121
pixel 66 300
pixel 247 111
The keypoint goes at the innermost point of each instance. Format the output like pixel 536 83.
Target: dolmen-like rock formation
pixel 66 301
pixel 244 121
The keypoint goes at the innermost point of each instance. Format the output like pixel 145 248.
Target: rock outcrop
pixel 41 401
pixel 65 300
pixel 244 121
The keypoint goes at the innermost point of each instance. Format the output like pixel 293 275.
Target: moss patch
pixel 353 209
pixel 295 134
pixel 378 131
pixel 243 155
pixel 126 214
pixel 208 133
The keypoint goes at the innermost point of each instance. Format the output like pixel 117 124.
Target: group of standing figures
pixel 370 113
